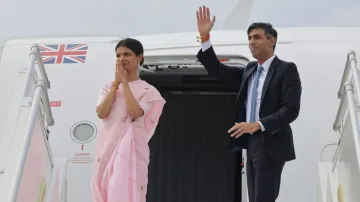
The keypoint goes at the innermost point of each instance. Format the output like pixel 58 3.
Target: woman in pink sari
pixel 130 109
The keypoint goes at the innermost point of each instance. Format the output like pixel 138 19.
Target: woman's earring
pixel 138 69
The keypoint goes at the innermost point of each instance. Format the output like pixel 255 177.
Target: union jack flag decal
pixel 63 53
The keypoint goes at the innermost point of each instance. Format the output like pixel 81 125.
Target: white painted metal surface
pixel 340 181
pixel 26 157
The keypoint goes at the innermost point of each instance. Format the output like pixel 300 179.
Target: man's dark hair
pixel 268 29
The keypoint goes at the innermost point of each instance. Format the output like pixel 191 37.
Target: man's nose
pixel 251 41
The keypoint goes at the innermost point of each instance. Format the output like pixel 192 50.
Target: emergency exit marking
pixel 55 103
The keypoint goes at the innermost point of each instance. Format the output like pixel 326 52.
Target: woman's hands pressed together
pixel 120 74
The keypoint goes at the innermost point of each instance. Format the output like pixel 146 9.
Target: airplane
pixel 189 159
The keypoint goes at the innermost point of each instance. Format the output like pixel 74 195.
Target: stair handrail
pixel 350 84
pixel 35 57
pixel 351 64
pixel 40 96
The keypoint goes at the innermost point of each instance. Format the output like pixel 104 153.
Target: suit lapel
pixel 246 76
pixel 244 80
pixel 268 78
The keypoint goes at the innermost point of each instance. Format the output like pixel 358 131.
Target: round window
pixel 83 132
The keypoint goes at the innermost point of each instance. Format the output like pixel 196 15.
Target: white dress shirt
pixel 266 66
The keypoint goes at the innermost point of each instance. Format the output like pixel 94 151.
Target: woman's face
pixel 127 58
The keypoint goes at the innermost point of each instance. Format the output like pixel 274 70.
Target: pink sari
pixel 122 153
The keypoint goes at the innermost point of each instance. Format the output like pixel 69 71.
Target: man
pixel 268 101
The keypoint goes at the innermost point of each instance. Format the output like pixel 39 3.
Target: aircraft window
pixel 83 132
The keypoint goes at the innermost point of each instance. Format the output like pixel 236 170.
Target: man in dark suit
pixel 268 101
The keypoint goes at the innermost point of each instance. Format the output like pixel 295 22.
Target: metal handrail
pixel 40 96
pixel 351 64
pixel 40 63
pixel 29 129
pixel 350 84
pixel 35 56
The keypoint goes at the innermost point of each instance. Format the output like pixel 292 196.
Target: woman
pixel 130 109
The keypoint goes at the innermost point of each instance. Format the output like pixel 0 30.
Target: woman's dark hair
pixel 133 45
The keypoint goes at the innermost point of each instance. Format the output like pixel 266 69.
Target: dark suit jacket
pixel 280 101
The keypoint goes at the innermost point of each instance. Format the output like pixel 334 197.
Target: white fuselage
pixel 319 53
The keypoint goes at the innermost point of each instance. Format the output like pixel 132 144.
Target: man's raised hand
pixel 203 21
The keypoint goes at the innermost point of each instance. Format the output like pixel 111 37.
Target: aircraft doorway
pixel 189 156
pixel 189 159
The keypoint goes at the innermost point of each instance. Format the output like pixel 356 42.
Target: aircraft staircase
pixel 28 172
pixel 339 180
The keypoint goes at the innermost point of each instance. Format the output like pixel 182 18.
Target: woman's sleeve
pixel 104 91
pixel 153 105
pixel 146 107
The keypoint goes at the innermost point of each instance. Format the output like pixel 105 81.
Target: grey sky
pixel 37 18
pixel 290 13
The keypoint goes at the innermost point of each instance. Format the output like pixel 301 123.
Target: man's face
pixel 260 46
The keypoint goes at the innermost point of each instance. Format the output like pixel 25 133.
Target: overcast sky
pixel 24 18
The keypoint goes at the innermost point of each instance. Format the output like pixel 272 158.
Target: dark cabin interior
pixel 189 157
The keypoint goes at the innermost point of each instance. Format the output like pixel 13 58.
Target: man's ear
pixel 272 41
